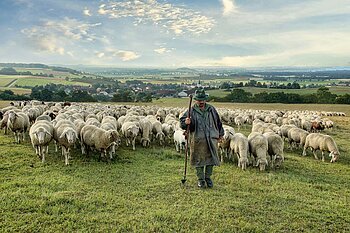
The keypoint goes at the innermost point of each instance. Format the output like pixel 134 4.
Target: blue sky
pixel 176 33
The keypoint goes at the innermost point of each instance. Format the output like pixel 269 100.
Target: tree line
pixel 322 96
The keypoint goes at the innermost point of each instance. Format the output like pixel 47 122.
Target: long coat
pixel 205 130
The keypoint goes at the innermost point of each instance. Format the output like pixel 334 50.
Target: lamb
pixel 239 145
pixel 18 122
pixel 93 137
pixel 179 140
pixel 224 145
pixel 297 136
pixel 323 143
pixel 258 147
pixel 130 130
pixel 275 149
pixel 65 135
pixel 41 134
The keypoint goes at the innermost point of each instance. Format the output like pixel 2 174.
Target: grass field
pixel 18 91
pixel 140 191
pixel 32 81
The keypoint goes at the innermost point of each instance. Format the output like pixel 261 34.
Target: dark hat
pixel 200 95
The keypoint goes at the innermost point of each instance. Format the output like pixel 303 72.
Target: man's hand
pixel 188 121
pixel 221 139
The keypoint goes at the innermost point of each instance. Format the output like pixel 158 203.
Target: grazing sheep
pixel 239 145
pixel 92 137
pixel 297 136
pixel 158 132
pixel 130 130
pixel 146 131
pixel 323 143
pixel 317 126
pixel 168 131
pixel 258 147
pixel 275 149
pixel 41 134
pixel 239 122
pixel 18 123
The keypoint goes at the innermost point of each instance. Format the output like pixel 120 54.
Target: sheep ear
pixel 47 132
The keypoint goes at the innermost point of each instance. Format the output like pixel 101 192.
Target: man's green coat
pixel 205 130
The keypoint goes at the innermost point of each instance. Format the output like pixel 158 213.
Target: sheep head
pixel 114 136
pixel 41 133
pixel 70 134
pixel 334 155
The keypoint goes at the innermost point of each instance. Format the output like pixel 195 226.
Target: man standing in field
pixel 205 131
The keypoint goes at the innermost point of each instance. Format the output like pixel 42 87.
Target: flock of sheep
pixel 96 127
pixel 270 130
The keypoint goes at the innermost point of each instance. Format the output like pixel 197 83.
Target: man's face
pixel 200 103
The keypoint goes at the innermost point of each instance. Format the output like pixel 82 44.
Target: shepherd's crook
pixel 187 139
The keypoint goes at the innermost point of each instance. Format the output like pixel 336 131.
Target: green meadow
pixel 141 191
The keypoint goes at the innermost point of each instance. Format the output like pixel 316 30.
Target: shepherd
pixel 206 131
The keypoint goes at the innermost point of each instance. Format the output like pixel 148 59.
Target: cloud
pixel 124 55
pixel 87 12
pixel 170 18
pixel 228 7
pixel 53 36
pixel 163 50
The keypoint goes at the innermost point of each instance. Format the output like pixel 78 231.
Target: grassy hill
pixel 140 191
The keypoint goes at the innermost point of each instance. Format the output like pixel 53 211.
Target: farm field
pixel 32 81
pixel 18 91
pixel 141 191
pixel 254 90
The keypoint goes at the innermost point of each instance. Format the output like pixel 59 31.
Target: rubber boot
pixel 201 177
pixel 208 173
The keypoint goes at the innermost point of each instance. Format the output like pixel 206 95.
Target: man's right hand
pixel 188 121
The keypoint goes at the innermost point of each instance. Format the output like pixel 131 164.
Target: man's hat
pixel 200 95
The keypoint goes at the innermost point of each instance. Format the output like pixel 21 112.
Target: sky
pixel 176 33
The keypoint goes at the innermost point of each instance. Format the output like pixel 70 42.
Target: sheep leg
pixel 177 147
pixel 315 155
pixel 239 160
pixel 322 156
pixel 133 143
pixel 56 147
pixel 42 154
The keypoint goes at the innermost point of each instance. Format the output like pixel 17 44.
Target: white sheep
pixel 18 123
pixel 168 131
pixel 158 132
pixel 239 145
pixel 297 136
pixel 92 137
pixel 258 147
pixel 41 134
pixel 146 131
pixel 179 140
pixel 275 148
pixel 130 130
pixel 65 135
pixel 323 143
pixel 224 144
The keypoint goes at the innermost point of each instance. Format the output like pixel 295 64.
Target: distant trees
pixel 322 96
